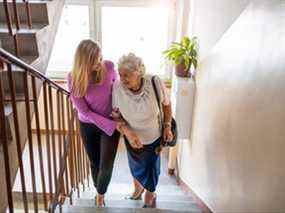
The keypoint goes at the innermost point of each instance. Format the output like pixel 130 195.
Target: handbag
pixel 173 122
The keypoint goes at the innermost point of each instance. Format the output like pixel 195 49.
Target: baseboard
pixel 198 200
pixel 188 190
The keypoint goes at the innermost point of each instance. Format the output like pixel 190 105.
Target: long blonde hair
pixel 86 56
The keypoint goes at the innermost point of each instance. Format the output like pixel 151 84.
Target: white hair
pixel 132 63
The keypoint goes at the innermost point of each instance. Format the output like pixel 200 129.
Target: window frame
pixel 95 19
pixel 98 4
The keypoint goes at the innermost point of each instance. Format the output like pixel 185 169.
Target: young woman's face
pixel 130 79
pixel 98 64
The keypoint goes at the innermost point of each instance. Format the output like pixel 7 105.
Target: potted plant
pixel 183 55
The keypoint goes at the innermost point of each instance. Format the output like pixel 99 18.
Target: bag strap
pixel 157 99
pixel 162 144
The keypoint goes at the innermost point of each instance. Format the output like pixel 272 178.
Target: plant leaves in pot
pixel 184 55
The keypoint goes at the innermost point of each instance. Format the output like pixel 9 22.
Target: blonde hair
pixel 132 63
pixel 86 56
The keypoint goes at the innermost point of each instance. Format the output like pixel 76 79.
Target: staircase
pixel 33 39
pixel 170 197
pixel 53 169
pixel 34 42
pixel 27 30
pixel 56 166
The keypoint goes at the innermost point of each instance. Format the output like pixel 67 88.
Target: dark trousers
pixel 101 150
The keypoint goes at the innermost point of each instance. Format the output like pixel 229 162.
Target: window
pixel 144 27
pixel 141 30
pixel 73 27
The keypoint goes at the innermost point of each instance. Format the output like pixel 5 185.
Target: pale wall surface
pixel 210 19
pixel 235 158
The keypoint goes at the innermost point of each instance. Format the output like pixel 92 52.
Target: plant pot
pixel 182 71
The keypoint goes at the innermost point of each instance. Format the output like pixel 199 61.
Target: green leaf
pixel 176 44
pixel 186 50
pixel 194 54
pixel 185 41
pixel 186 61
pixel 177 61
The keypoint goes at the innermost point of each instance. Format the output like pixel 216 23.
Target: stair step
pixel 126 188
pixel 38 9
pixel 24 28
pixel 23 211
pixel 121 196
pixel 28 59
pixel 18 79
pixel 169 205
pixel 77 209
pixel 27 43
pixel 34 1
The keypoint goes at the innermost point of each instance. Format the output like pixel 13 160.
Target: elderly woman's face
pixel 130 79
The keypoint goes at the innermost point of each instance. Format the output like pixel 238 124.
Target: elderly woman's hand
pixel 167 134
pixel 133 138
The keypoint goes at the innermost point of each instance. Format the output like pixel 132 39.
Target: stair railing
pixel 64 166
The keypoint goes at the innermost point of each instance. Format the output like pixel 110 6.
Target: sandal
pixel 137 197
pixel 97 202
pixel 153 203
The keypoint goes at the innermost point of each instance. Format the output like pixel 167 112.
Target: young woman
pixel 90 84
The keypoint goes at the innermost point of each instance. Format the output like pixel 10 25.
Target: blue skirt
pixel 145 164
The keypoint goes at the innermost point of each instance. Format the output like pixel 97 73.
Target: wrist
pixel 167 124
pixel 120 126
pixel 124 129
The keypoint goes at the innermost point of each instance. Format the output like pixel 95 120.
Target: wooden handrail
pixel 18 62
pixel 73 168
pixel 68 150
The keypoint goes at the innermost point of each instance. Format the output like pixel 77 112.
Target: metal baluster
pixel 30 140
pixel 17 135
pixel 39 141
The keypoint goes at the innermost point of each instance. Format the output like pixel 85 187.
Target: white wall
pixel 209 20
pixel 234 160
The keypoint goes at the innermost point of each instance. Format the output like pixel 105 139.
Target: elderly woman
pixel 135 101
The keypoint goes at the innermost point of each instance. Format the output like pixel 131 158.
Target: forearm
pixel 120 124
pixel 167 114
pixel 104 123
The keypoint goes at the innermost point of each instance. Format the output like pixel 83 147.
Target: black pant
pixel 101 150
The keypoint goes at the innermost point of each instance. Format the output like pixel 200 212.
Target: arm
pixel 125 129
pixel 167 133
pixel 166 110
pixel 167 115
pixel 107 125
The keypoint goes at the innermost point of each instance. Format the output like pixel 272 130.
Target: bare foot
pixel 149 200
pixel 99 200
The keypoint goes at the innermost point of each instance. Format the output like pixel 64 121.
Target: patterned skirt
pixel 145 164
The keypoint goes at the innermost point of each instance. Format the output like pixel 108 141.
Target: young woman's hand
pixel 115 114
